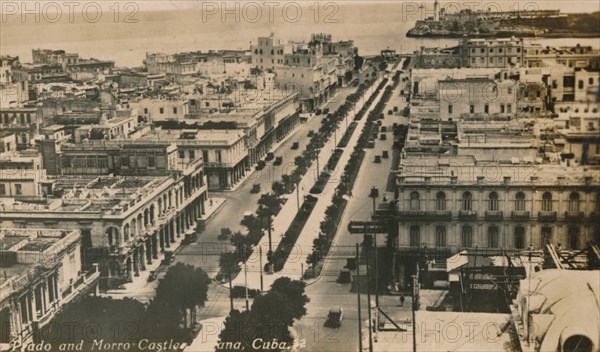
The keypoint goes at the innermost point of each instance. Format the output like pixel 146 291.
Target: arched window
pixel 520 201
pixel 440 201
pixel 573 237
pixel 493 201
pixel 547 201
pixel 574 202
pixel 415 235
pixel 493 237
pixel 440 236
pixel 415 201
pixel 519 237
pixel 467 201
pixel 467 236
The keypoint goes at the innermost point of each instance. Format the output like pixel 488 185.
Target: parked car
pixel 260 165
pixel 383 137
pixel 345 277
pixel 371 144
pixel 152 276
pixel 318 112
pixel 326 111
pixel 270 156
pixel 311 133
pixel 385 154
pixel 295 146
pixel 278 161
pixel 383 129
pixel 377 159
pixel 334 318
pixel 255 188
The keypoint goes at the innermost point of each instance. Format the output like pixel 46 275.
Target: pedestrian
pixel 401 300
pixel 211 202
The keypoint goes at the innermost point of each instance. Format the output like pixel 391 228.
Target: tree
pixel 319 242
pixel 313 260
pixel 241 244
pixel 235 332
pixel 183 288
pixel 229 264
pixel 278 188
pixel 293 290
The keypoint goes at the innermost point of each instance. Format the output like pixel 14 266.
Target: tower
pixel 436 11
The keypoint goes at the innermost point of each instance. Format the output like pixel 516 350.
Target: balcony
pixel 574 215
pixel 520 215
pixel 494 215
pixel 547 215
pixel 412 214
pixel 440 215
pixel 468 215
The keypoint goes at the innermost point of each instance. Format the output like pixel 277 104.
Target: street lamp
pixel 374 194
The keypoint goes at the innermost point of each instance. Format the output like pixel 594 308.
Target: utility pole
pixel 246 281
pixel 230 291
pixel 261 266
pixel 374 194
pixel 414 309
pixel 360 346
pixel 298 194
pixel 369 304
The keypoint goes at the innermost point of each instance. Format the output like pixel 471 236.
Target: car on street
pixel 255 188
pixel 295 146
pixel 278 161
pixel 334 318
pixel 326 111
pixel 318 112
pixel 385 154
pixel 377 159
pixel 311 133
pixel 383 137
pixel 260 165
pixel 168 259
pixel 270 156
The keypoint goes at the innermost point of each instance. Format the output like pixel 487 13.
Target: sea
pixel 125 32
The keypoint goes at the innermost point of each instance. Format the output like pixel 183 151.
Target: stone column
pixel 155 246
pixel 136 263
pixel 149 250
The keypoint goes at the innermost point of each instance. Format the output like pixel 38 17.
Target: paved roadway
pixel 326 292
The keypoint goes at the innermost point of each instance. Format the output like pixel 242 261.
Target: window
pixel 573 237
pixel 472 109
pixel 162 110
pixel 546 235
pixel 2 189
pixel 18 189
pixel 151 161
pixel 493 201
pixel 181 154
pixel 519 237
pixel 440 201
pixel 493 237
pixel 205 155
pixel 124 161
pixel 486 109
pixel 509 108
pixel 450 109
pixel 590 81
pixel 520 201
pixel 440 236
pixel 415 201
pixel 145 111
pixel 580 84
pixel 574 202
pixel 509 91
pixel 502 108
pixel 415 235
pixel 467 236
pixel 547 201
pixel 467 201
pixel 174 110
pixel 219 157
pixel 192 154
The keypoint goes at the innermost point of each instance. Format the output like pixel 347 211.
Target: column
pixel 149 249
pixel 161 235
pixel 155 246
pixel 136 263
pixel 172 231
pixel 142 256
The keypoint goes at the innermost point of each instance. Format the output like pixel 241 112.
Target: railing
pixel 467 215
pixel 574 215
pixel 519 215
pixel 494 215
pixel 547 215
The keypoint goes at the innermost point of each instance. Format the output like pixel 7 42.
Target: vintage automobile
pixel 334 318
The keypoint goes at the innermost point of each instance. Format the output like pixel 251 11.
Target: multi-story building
pixel 492 53
pixel 269 52
pixel 42 272
pixel 127 220
pixel 224 152
pixel 22 175
pixel 25 122
pixel 54 57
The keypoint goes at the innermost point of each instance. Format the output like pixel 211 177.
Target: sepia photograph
pixel 301 176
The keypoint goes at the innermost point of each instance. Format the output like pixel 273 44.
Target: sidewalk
pixel 140 288
pixel 281 223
